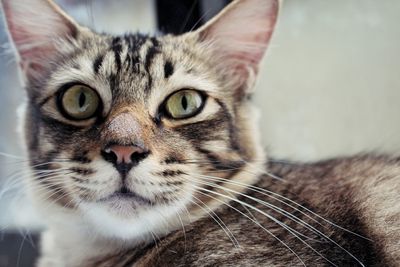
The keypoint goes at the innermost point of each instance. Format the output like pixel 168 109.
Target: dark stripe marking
pixel 171 183
pixel 116 46
pixel 206 130
pixel 151 53
pixel 234 143
pixel 113 82
pixel 79 180
pixel 81 156
pixel 44 101
pixel 82 171
pixel 42 164
pixel 218 164
pixel 81 159
pixel 173 160
pixel 168 69
pixel 170 173
pixel 97 63
pixel 135 42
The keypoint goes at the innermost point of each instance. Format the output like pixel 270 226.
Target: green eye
pixel 184 104
pixel 80 102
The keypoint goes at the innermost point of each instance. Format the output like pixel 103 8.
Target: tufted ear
pixel 240 34
pixel 36 27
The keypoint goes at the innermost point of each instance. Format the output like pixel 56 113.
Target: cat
pixel 144 151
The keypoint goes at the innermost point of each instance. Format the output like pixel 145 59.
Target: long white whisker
pixel 11 156
pixel 269 205
pixel 255 222
pixel 270 217
pixel 183 231
pixel 319 232
pixel 279 198
pixel 273 207
pixel 218 220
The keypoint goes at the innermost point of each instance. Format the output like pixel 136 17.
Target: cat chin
pixel 128 221
pixel 125 205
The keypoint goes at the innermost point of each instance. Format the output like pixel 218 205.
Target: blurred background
pixel 329 86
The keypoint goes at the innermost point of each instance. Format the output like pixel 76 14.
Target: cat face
pixel 123 131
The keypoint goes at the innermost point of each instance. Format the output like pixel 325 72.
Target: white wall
pixel 331 82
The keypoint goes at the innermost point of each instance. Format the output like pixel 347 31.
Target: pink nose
pixel 125 154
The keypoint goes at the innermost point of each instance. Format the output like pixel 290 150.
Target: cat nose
pixel 124 157
pixel 125 154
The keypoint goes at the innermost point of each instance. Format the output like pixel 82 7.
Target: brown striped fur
pixel 339 190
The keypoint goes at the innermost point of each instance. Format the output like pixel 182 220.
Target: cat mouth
pixel 125 194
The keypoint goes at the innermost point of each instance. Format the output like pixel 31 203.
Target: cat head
pixel 127 132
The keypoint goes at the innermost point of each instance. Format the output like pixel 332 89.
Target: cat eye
pixel 79 102
pixel 184 104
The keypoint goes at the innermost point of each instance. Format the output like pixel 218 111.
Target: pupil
pixel 184 102
pixel 82 100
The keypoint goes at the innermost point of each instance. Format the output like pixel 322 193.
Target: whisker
pixel 269 205
pixel 319 232
pixel 218 220
pixel 255 222
pixel 276 209
pixel 184 233
pixel 274 196
pixel 11 156
pixel 20 250
pixel 273 219
pixel 190 13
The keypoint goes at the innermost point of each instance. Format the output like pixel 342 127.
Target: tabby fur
pixel 204 192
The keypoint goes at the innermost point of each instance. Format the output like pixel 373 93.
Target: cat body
pixel 144 151
pixel 323 206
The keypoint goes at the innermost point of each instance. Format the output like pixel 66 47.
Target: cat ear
pixel 36 27
pixel 240 34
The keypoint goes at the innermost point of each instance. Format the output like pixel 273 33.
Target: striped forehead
pixel 125 65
